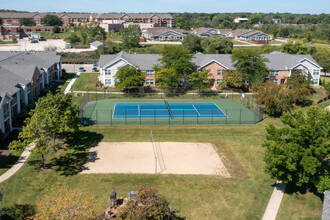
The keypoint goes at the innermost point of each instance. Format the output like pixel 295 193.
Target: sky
pixel 206 6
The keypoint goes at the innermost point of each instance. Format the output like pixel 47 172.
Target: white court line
pixel 196 110
pixel 220 110
pixel 113 113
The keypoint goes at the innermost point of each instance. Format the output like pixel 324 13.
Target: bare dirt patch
pixel 139 157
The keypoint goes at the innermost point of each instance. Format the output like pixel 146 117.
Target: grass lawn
pixel 326 78
pixel 86 82
pixel 244 196
pixel 8 42
pixel 50 35
pixel 235 42
pixel 297 205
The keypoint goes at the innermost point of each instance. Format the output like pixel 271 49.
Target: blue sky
pixel 208 6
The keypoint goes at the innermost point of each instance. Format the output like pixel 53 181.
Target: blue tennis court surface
pixel 164 110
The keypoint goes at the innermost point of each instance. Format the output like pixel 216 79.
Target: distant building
pixel 96 45
pixel 276 21
pixel 241 20
pixel 162 34
pixel 142 25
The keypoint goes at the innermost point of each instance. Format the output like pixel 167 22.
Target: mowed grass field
pixel 244 196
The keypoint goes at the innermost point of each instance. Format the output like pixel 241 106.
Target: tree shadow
pixel 293 189
pixel 78 145
pixel 17 212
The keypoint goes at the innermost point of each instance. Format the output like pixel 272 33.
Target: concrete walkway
pixel 68 88
pixel 274 201
pixel 24 156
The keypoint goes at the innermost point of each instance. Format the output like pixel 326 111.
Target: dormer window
pixel 316 72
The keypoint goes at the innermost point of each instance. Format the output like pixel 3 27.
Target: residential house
pixel 96 45
pixel 161 33
pixel 23 75
pixel 282 65
pixel 206 32
pixel 253 35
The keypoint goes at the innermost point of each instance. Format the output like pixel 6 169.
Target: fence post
pixel 96 116
pixel 110 116
pixel 183 116
pixel 240 116
pixel 212 117
pixel 197 116
pixel 125 116
pixel 140 115
pixel 155 117
pixel 226 116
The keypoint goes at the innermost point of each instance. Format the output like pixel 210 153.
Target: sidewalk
pixel 68 88
pixel 274 201
pixel 24 156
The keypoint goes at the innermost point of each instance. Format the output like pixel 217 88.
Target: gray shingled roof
pixel 326 206
pixel 280 61
pixel 9 81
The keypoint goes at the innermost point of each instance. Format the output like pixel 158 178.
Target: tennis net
pixel 168 107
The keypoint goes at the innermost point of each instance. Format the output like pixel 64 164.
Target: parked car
pixel 95 64
pixel 56 37
pixel 81 69
pixel 34 41
pixel 95 69
pixel 42 39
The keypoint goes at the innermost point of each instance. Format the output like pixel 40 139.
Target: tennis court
pixel 165 110
pixel 169 112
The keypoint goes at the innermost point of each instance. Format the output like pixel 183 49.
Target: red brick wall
pixel 282 75
pixel 214 67
pixel 149 77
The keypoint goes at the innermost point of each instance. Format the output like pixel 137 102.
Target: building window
pixel 275 73
pixel 316 81
pixel 219 81
pixel 219 72
pixel 107 71
pixel 107 82
pixel 275 81
pixel 149 81
pixel 316 71
pixel 149 72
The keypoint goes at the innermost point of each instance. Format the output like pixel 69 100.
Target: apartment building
pixel 23 75
pixel 281 65
pixel 160 19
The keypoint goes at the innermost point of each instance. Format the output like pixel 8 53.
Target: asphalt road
pixel 75 67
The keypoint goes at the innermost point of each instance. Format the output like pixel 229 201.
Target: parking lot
pixel 75 67
pixel 24 44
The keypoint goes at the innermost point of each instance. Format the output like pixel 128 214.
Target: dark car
pixel 95 69
pixel 42 39
pixel 34 41
pixel 95 64
pixel 81 69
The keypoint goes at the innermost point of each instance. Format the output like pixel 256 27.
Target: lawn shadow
pixel 78 145
pixel 292 189
pixel 17 212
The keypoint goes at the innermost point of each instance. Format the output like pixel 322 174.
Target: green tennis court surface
pixel 128 112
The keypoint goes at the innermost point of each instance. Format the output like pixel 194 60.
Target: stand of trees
pixel 299 152
pixel 52 20
pixel 131 36
pixel 27 22
pixel 87 33
pixel 129 77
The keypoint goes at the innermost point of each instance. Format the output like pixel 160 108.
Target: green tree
pixel 294 48
pixel 53 118
pixel 56 29
pixel 251 64
pixel 327 88
pixel 301 85
pixel 129 76
pixel 178 59
pixel 232 79
pixel 217 44
pixel 192 42
pixel 167 78
pixel 275 98
pixel 27 22
pixel 299 152
pixel 52 20
pixel 322 57
pixel 131 36
pixel 147 204
pixel 200 79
